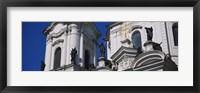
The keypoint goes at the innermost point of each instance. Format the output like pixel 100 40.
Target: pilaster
pixel 48 54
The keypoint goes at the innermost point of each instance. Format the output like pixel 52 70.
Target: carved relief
pixel 57 42
pixel 125 63
pixel 52 26
pixel 55 35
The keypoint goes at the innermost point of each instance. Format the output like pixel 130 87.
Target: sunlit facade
pixel 124 39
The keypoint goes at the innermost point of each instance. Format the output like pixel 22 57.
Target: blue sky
pixel 33 43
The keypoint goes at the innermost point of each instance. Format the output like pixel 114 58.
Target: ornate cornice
pixel 51 27
pixel 113 24
pixel 135 27
pixel 123 50
pixel 57 41
pixel 126 40
pixel 55 35
pixel 63 68
pixel 72 26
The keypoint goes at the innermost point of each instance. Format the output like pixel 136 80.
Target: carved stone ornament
pixel 135 27
pixel 149 32
pixel 51 27
pixel 126 63
pixel 72 26
pixel 55 35
pixel 73 55
pixel 57 41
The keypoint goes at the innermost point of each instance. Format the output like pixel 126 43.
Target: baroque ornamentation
pixel 57 41
pixel 72 27
pixel 55 35
pixel 135 27
pixel 52 26
pixel 125 63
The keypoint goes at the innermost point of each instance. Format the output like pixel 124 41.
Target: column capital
pixel 73 28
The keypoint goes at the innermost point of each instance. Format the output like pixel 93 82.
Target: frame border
pixel 103 3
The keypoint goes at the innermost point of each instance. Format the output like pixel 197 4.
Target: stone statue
pixel 114 66
pixel 42 66
pixel 102 50
pixel 157 46
pixel 149 33
pixel 73 55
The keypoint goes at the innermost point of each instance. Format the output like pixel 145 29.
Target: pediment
pixel 54 27
pixel 124 51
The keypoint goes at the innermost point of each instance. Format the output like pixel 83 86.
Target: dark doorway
pixel 87 59
pixel 57 58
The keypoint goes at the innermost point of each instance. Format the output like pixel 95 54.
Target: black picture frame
pixel 98 3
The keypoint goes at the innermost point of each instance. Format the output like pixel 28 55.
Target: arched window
pixel 57 58
pixel 136 39
pixel 87 59
pixel 175 33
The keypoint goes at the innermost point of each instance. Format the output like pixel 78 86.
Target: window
pixel 87 59
pixel 175 33
pixel 136 39
pixel 57 58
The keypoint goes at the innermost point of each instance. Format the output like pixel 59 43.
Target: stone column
pixel 75 39
pixel 64 49
pixel 67 49
pixel 69 46
pixel 78 47
pixel 48 54
pixel 52 56
pixel 81 48
pixel 95 54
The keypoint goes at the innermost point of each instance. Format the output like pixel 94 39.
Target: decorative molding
pixel 158 65
pixel 123 50
pixel 126 63
pixel 113 25
pixel 135 27
pixel 115 30
pixel 51 27
pixel 72 26
pixel 63 68
pixel 126 40
pixel 55 35
pixel 147 57
pixel 57 41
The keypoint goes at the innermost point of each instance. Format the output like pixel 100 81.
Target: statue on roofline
pixel 149 33
pixel 102 50
pixel 73 55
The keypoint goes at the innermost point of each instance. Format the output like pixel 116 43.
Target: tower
pixel 62 37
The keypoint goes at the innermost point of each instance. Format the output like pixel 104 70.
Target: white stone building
pixel 62 37
pixel 128 48
pixel 124 38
